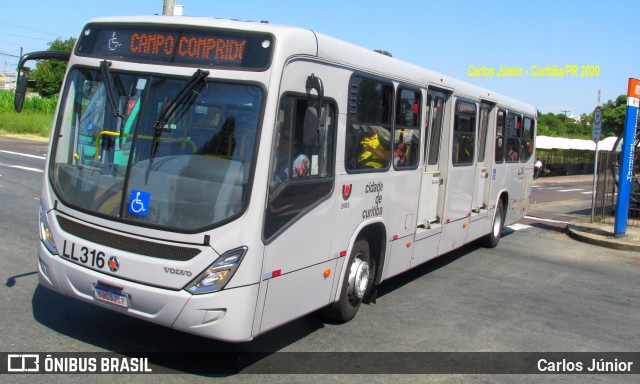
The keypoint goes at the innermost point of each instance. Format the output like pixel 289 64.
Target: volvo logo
pixel 174 271
pixel 114 264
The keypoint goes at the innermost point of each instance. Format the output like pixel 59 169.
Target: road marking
pixel 23 168
pixel 518 226
pixel 547 220
pixel 570 190
pixel 24 154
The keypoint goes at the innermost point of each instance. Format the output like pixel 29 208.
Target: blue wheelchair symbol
pixel 139 203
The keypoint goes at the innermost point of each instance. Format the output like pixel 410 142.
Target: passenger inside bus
pixel 373 153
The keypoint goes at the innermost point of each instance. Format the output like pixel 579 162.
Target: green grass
pixel 35 118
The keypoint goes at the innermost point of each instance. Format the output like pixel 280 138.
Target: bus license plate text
pixel 112 297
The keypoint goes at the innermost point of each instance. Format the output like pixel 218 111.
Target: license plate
pixel 109 296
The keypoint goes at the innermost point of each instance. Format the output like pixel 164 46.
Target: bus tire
pixel 493 238
pixel 358 282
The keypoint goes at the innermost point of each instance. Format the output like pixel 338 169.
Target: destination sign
pixel 177 45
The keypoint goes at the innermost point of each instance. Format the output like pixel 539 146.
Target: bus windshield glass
pixel 191 172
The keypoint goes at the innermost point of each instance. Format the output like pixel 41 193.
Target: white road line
pixel 547 220
pixel 24 154
pixel 570 190
pixel 518 226
pixel 23 168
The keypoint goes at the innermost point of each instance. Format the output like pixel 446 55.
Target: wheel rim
pixel 358 279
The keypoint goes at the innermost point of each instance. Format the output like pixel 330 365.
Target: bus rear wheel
pixel 493 238
pixel 357 284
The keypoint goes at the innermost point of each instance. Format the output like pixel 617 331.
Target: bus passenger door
pixel 431 178
pixel 461 173
pixel 429 227
pixel 478 224
pixel 480 194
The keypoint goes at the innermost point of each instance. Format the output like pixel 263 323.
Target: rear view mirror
pixel 21 91
pixel 23 77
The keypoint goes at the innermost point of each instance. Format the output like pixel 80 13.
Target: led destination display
pixel 184 46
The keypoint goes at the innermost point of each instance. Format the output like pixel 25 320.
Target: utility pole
pixel 168 7
pixel 565 112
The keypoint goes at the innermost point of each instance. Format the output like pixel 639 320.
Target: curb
pixel 600 238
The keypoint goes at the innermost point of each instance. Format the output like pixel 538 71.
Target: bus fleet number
pixel 83 255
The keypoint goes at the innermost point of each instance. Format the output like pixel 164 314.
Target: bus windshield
pixel 189 172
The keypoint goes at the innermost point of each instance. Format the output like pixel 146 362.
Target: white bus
pixel 223 177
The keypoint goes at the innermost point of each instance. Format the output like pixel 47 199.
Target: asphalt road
pixel 538 291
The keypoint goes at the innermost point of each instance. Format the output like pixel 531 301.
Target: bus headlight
pixel 45 233
pixel 219 273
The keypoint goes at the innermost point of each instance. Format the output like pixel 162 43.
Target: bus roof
pixel 300 41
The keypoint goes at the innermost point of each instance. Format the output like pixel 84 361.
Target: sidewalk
pixel 600 234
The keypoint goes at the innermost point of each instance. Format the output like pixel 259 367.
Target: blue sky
pixel 444 36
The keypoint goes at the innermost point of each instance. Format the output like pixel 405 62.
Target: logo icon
pixel 346 191
pixel 113 42
pixel 23 363
pixel 139 203
pixel 114 264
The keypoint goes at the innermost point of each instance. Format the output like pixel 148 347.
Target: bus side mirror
pixel 23 77
pixel 314 117
pixel 21 92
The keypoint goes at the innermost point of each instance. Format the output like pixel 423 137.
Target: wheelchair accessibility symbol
pixel 139 203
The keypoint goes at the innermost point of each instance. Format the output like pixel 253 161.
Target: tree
pixel 613 115
pixel 48 74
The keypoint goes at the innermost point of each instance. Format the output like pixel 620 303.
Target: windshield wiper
pixel 110 88
pixel 172 107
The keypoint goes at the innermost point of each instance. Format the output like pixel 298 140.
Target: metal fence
pixel 607 191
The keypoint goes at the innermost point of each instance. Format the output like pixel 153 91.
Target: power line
pixel 8 54
pixel 28 28
pixel 25 37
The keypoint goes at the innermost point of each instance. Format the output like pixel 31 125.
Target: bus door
pixel 431 178
pixel 429 227
pixel 460 186
pixel 479 209
pixel 300 206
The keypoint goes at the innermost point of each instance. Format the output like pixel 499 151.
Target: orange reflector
pixel 464 225
pixel 327 273
pixel 409 245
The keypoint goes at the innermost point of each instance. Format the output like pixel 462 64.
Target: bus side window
pixel 369 140
pixel 301 165
pixel 527 138
pixel 500 124
pixel 406 135
pixel 514 133
pixel 464 133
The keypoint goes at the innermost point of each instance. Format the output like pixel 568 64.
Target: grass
pixel 35 118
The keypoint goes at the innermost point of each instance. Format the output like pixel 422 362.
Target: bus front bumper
pixel 226 315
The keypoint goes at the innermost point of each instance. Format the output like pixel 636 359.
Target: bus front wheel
pixel 357 283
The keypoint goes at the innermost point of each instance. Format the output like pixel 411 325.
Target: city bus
pixel 223 178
